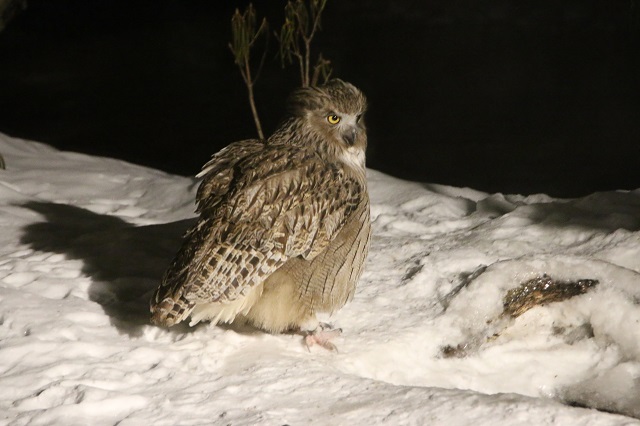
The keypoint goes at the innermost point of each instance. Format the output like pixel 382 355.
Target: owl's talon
pixel 322 336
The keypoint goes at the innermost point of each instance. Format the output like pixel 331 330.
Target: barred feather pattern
pixel 286 205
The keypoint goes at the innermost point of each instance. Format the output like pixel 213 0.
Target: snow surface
pixel 84 240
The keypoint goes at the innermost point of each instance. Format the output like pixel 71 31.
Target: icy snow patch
pixel 84 240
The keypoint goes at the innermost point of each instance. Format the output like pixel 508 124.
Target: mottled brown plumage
pixel 284 223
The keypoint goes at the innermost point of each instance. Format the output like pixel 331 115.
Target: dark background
pixel 510 96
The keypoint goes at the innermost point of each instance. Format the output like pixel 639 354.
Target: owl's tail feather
pixel 170 312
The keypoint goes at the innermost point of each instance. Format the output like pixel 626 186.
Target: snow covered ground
pixel 83 241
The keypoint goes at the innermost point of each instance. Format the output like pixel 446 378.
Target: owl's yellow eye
pixel 333 119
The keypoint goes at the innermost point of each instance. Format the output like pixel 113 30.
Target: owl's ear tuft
pixel 304 99
pixel 334 95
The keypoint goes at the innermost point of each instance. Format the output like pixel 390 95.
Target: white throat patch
pixel 353 157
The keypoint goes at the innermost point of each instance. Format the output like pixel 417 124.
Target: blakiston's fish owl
pixel 284 223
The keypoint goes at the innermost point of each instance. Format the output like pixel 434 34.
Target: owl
pixel 284 223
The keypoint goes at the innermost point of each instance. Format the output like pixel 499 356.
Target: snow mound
pixel 84 240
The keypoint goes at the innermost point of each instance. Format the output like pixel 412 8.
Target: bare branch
pixel 321 69
pixel 244 35
pixel 302 21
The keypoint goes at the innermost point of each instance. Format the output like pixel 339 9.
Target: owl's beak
pixel 349 136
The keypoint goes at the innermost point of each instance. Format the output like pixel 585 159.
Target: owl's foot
pixel 322 336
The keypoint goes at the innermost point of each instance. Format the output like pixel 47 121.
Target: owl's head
pixel 333 113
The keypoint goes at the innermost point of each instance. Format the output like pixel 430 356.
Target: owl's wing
pixel 278 202
pixel 219 171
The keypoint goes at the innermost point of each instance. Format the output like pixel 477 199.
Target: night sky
pixel 507 96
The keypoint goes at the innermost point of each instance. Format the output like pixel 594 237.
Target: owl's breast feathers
pixel 259 205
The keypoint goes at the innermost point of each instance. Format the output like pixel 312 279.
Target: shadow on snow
pixel 126 262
